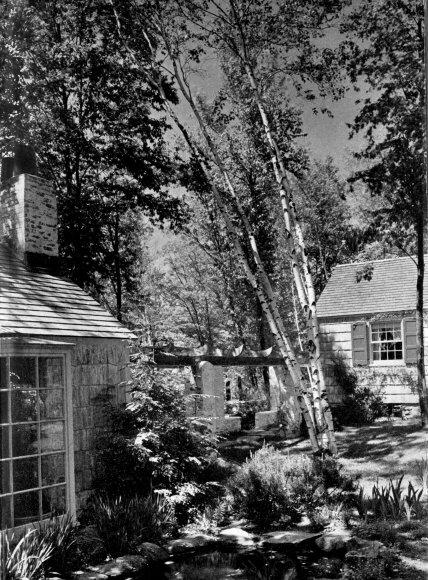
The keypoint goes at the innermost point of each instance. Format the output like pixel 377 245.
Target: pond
pixel 254 565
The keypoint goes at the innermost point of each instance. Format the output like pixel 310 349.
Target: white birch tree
pixel 174 27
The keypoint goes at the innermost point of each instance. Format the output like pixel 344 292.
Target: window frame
pixel 392 362
pixel 63 351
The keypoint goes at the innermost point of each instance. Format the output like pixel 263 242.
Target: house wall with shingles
pixel 99 368
pixel 396 382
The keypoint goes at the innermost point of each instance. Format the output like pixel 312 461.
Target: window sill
pixel 387 363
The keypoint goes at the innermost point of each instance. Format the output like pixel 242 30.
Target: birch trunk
pixel 324 415
pixel 259 280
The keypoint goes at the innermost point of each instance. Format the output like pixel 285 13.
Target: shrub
pixel 271 487
pixel 378 567
pixel 361 405
pixel 24 558
pixel 382 531
pixel 151 444
pixel 123 524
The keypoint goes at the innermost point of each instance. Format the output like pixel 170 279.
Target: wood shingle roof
pixel 391 288
pixel 36 303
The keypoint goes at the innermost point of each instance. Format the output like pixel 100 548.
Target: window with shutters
pixel 34 439
pixel 386 339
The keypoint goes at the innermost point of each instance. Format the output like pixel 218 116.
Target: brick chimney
pixel 28 210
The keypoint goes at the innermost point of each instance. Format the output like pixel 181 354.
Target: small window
pixel 386 341
pixel 33 461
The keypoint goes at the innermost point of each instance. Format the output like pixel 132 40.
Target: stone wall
pixel 99 366
pixel 28 215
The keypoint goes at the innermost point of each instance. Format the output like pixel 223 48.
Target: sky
pixel 326 136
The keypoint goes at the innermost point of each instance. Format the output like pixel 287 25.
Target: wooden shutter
pixel 410 347
pixel 360 344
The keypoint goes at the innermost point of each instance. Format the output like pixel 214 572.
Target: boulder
pixel 128 566
pixel 153 553
pixel 93 573
pixel 333 541
pixel 237 536
pixel 290 574
pixel 191 543
pixel 287 539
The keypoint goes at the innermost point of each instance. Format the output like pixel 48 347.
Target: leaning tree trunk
pixel 258 280
pixel 300 266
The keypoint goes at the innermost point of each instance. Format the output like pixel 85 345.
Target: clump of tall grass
pixel 123 524
pixel 39 551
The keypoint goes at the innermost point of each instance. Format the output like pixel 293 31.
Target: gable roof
pixel 392 288
pixel 36 303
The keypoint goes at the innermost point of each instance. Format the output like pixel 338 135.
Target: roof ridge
pixel 379 260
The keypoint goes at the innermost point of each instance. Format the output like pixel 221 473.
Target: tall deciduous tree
pixel 256 28
pixel 330 236
pixel 385 48
pixel 68 90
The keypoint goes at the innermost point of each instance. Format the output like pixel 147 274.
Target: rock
pixel 128 566
pixel 333 541
pixel 153 553
pixel 290 538
pixel 290 574
pixel 237 536
pixel 124 567
pixel 191 544
pixel 93 574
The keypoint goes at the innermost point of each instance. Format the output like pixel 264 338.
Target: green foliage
pixel 382 531
pixel 384 49
pixel 151 444
pixel 123 524
pixel 361 405
pixel 25 558
pixel 421 467
pixel 391 502
pixel 49 548
pixel 376 567
pixel 71 92
pixel 61 533
pixel 271 487
pixel 330 238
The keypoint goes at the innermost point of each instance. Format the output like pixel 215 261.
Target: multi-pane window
pixel 386 341
pixel 32 439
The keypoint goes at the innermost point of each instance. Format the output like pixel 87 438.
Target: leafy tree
pixel 251 32
pixel 69 91
pixel 330 237
pixel 385 49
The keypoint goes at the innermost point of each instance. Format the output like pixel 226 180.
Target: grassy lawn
pixel 376 453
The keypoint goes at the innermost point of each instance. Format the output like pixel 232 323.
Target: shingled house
pixel 367 316
pixel 60 354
